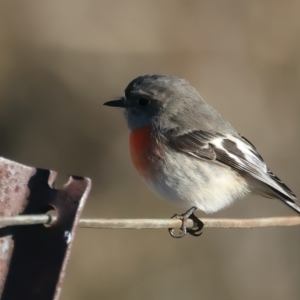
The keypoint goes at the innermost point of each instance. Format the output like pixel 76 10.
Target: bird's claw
pixel 195 231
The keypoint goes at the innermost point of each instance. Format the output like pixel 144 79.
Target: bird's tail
pixel 289 201
pixel 293 205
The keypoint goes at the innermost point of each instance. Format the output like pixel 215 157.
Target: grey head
pixel 168 102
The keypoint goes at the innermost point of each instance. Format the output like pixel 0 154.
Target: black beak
pixel 116 103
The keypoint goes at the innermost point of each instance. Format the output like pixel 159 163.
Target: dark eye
pixel 143 101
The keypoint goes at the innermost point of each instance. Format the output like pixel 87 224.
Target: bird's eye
pixel 143 101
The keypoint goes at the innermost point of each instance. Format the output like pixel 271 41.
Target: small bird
pixel 186 152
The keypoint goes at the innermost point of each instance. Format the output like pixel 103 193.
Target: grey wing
pixel 235 152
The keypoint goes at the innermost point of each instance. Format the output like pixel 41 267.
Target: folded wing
pixel 235 152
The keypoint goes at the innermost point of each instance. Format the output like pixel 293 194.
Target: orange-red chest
pixel 142 147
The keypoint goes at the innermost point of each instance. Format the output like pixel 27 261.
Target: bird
pixel 187 153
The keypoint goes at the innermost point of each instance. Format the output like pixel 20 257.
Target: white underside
pixel 192 182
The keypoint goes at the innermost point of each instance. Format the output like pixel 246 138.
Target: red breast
pixel 142 148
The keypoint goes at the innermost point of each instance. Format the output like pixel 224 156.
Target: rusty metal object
pixel 33 258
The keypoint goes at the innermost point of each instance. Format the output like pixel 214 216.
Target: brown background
pixel 61 59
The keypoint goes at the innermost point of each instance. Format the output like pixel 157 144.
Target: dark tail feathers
pixel 288 201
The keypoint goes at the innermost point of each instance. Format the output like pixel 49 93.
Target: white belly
pixel 188 181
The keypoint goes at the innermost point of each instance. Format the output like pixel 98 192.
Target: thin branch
pixel 152 223
pixel 172 223
pixel 27 220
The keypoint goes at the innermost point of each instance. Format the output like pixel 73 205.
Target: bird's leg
pixel 195 231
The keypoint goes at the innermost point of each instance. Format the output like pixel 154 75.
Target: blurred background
pixel 60 60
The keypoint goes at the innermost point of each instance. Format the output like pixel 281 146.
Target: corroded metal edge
pixel 70 238
pixel 33 258
pixel 13 199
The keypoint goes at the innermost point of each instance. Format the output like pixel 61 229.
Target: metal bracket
pixel 33 258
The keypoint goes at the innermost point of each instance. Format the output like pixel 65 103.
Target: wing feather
pixel 233 151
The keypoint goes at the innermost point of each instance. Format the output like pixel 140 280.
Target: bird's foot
pixel 194 231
